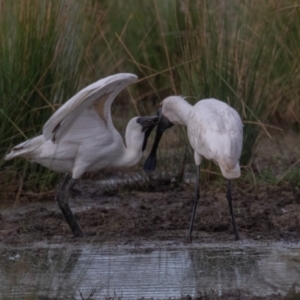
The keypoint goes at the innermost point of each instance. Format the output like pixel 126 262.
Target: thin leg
pixel 228 195
pixel 196 199
pixel 62 201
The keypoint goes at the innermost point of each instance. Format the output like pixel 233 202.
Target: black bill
pixel 148 123
pixel 150 163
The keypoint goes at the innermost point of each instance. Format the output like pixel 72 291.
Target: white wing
pixel 87 110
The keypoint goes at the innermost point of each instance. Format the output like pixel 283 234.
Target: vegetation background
pixel 244 52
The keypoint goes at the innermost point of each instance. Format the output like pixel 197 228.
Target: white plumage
pixel 214 129
pixel 81 137
pixel 215 132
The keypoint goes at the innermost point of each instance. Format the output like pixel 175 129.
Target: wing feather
pixel 94 100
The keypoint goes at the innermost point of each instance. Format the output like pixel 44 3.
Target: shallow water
pixel 157 270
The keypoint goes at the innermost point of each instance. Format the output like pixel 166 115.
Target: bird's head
pixel 139 129
pixel 172 108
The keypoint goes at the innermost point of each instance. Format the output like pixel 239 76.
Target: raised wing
pixel 89 108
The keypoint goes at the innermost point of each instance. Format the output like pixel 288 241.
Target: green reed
pixel 242 52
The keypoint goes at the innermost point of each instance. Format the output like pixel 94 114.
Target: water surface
pixel 158 271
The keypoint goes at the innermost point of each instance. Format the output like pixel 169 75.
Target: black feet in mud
pixel 237 237
pixel 188 239
pixel 78 234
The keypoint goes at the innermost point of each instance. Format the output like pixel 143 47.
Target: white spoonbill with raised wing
pixel 80 137
pixel 215 132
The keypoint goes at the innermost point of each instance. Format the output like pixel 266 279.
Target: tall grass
pixel 43 63
pixel 238 51
pixel 243 52
pixel 230 63
pixel 284 106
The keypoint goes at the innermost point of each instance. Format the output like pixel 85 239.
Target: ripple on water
pixel 260 269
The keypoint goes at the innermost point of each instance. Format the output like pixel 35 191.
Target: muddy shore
pixel 159 212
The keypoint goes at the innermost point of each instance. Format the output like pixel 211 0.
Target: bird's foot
pixel 189 239
pixel 78 234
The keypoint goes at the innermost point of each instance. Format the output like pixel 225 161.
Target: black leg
pixel 196 199
pixel 62 201
pixel 228 195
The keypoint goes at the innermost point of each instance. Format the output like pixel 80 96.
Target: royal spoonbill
pixel 80 137
pixel 215 131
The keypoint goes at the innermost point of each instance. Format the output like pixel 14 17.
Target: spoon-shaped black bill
pixel 148 123
pixel 147 134
pixel 150 163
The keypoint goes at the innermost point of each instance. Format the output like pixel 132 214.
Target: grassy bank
pixel 243 52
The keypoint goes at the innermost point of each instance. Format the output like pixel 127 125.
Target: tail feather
pixel 24 149
pixel 230 171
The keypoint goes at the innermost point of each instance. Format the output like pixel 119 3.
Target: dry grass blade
pixel 265 125
pixel 165 47
pixel 287 171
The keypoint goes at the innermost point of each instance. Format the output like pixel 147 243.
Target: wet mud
pixel 157 212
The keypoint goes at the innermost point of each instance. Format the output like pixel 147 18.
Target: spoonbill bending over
pixel 81 137
pixel 215 131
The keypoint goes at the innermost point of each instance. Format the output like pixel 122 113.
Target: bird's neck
pixel 179 112
pixel 130 157
pixel 131 153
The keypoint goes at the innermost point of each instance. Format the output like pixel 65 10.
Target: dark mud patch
pixel 122 217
